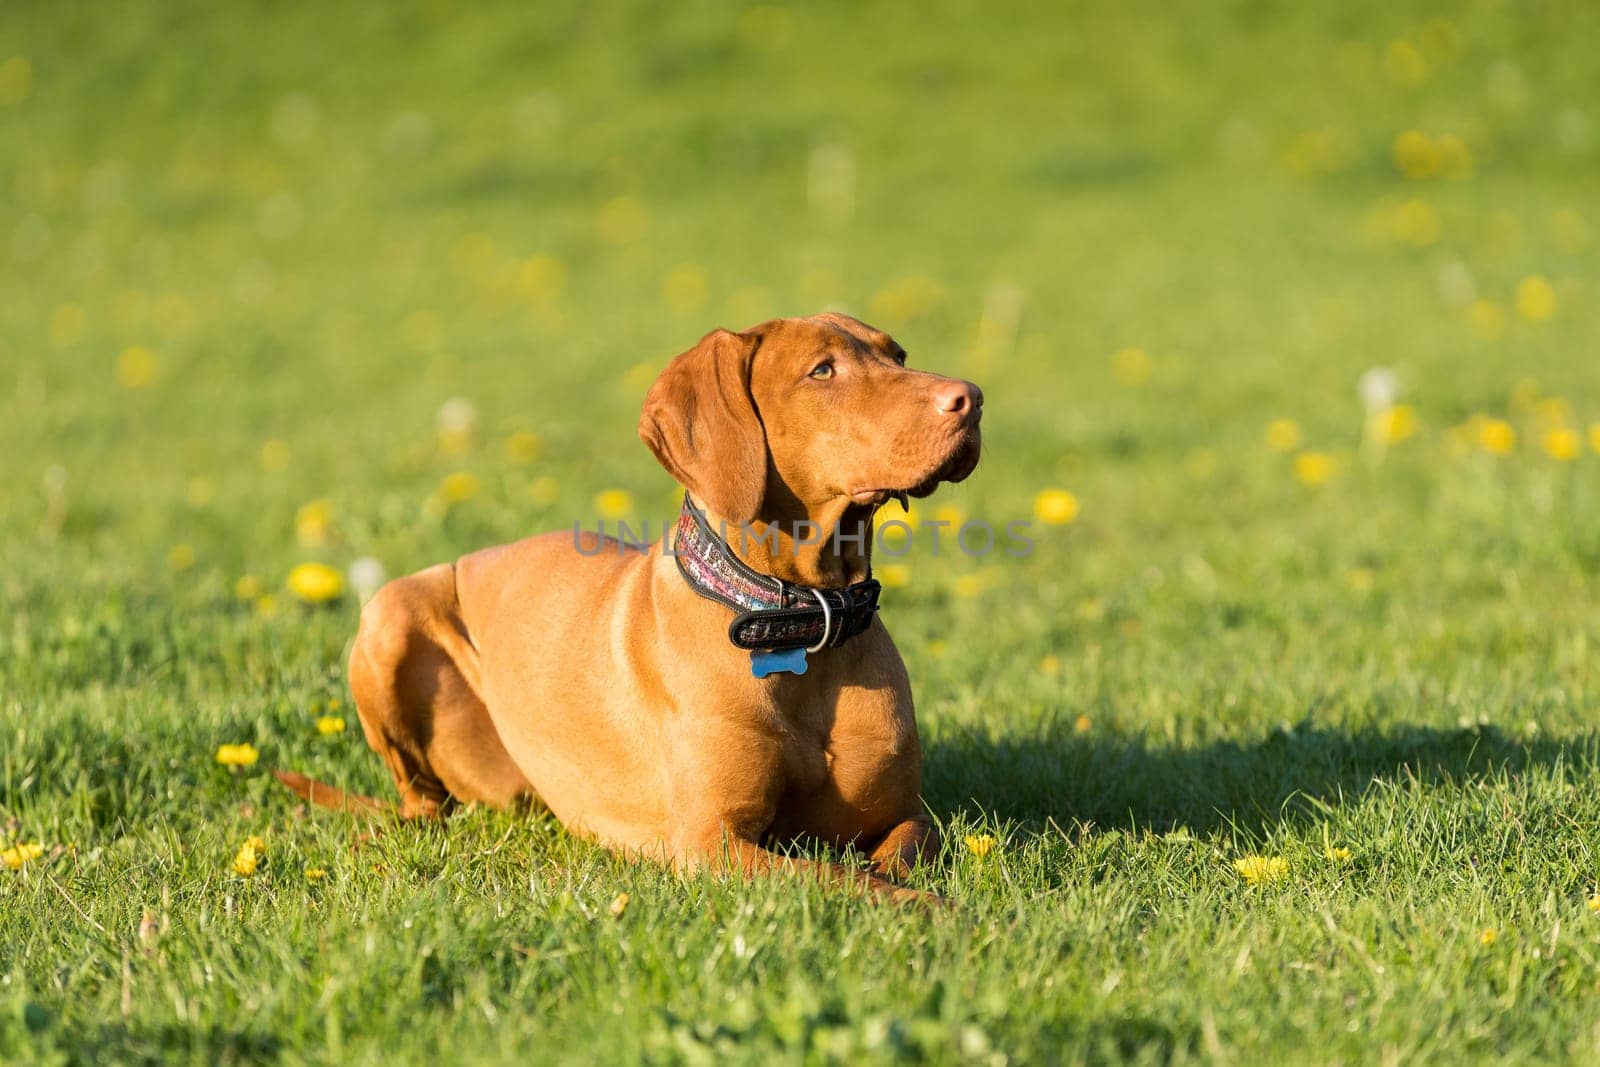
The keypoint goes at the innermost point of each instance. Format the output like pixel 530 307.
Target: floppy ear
pixel 701 423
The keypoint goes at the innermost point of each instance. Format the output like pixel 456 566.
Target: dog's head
pixel 819 410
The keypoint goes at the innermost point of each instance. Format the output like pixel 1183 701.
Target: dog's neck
pixel 828 546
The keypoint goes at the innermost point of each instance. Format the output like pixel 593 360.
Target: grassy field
pixel 1284 747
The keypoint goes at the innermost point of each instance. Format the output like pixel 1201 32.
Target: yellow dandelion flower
pixel 1525 394
pixel 1438 38
pixel 1553 411
pixel 979 845
pixel 1082 724
pixel 330 724
pixel 1055 507
pixel 67 325
pixel 523 446
pixel 1132 366
pixel 893 575
pixel 455 441
pixel 541 279
pixel 275 454
pixel 613 504
pixel 1313 468
pixel 1535 298
pixel 256 842
pixel 1488 936
pixel 953 517
pixel 180 557
pixel 937 647
pixel 1262 870
pixel 1495 435
pixel 334 703
pixel 137 367
pixel 1050 665
pixel 16 81
pixel 459 487
pixel 1487 319
pixel 1416 222
pixel 1562 444
pixel 1395 424
pixel 1338 855
pixel 969 586
pixel 316 583
pixel 313 523
pixel 1284 435
pixel 247 859
pixel 907 513
pixel 240 755
pixel 315 874
pixel 684 290
pixel 1417 155
pixel 1404 64
pixel 623 220
pixel 544 490
pixel 1321 151
pixel 619 904
pixel 20 855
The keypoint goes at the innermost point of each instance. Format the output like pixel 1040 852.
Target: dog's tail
pixel 323 795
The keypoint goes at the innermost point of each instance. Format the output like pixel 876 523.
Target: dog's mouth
pixel 955 467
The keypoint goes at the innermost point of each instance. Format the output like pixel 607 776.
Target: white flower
pixel 366 575
pixel 1379 388
pixel 457 415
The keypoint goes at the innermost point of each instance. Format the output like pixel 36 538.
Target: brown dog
pixel 597 679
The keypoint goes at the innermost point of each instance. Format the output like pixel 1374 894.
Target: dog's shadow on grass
pixel 1062 776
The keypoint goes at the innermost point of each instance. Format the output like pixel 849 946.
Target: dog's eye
pixel 822 371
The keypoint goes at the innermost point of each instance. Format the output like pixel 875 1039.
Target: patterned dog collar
pixel 772 614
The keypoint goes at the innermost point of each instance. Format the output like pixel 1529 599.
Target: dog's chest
pixel 854 751
pixel 807 762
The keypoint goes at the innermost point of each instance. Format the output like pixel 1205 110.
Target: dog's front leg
pixel 907 846
pixel 729 852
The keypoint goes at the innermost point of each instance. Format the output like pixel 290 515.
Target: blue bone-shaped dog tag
pixel 764 662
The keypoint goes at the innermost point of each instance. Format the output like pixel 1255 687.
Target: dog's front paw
pixel 920 898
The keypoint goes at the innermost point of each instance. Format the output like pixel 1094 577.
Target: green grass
pixel 321 225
